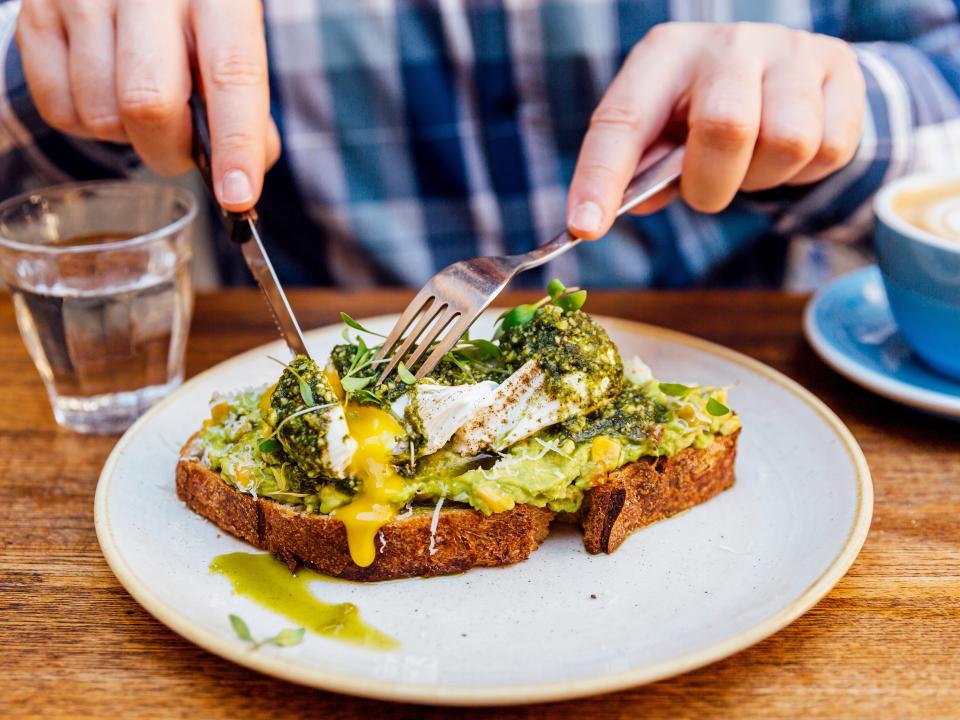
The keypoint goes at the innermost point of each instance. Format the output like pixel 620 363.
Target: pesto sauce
pixel 569 346
pixel 632 416
pixel 268 582
pixel 303 437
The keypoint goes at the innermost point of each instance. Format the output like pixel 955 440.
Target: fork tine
pixel 438 327
pixel 434 308
pixel 403 322
pixel 449 340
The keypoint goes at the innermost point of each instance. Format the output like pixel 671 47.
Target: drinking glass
pixel 100 278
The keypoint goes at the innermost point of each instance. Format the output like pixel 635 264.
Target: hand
pixel 760 106
pixel 119 70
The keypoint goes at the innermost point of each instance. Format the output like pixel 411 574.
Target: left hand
pixel 760 106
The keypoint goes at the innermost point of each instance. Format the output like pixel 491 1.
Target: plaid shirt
pixel 419 133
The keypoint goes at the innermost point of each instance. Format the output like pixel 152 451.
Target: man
pixel 418 133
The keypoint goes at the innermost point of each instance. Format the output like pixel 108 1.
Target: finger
pixel 631 114
pixel 43 53
pixel 657 202
pixel 724 121
pixel 273 144
pixel 655 152
pixel 233 64
pixel 791 124
pixel 844 101
pixel 153 84
pixel 90 39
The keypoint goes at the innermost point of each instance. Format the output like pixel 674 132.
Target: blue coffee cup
pixel 921 269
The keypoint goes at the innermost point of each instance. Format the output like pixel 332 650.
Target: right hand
pixel 119 70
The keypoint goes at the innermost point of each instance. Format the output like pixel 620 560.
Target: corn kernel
pixel 219 412
pixel 497 501
pixel 605 452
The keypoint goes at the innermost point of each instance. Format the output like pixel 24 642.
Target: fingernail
pixel 586 217
pixel 235 189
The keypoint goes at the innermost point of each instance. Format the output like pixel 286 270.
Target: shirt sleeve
pixel 31 152
pixel 910 60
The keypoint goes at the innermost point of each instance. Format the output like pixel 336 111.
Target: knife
pixel 242 229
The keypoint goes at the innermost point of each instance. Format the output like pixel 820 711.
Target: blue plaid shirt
pixel 419 133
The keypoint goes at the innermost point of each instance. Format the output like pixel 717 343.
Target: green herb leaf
pixel 486 350
pixel 349 321
pixel 520 315
pixel 306 393
pixel 368 396
pixel 674 389
pixel 270 445
pixel 555 288
pixel 405 374
pixel 572 301
pixel 715 407
pixel 288 637
pixel 353 384
pixel 240 628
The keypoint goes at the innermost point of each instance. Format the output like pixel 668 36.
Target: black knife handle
pixel 237 228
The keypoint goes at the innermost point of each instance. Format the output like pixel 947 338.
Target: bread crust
pixel 464 537
pixel 651 489
pixel 632 497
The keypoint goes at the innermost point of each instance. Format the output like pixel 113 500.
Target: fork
pixel 461 291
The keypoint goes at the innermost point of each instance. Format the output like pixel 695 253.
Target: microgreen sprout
pixel 288 637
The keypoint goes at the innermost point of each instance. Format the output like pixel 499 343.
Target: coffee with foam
pixel 934 209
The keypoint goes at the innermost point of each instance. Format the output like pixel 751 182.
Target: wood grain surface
pixel 884 643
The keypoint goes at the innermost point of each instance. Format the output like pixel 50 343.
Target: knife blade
pixel 242 229
pixel 262 269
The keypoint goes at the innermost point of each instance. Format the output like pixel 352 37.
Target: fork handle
pixel 644 185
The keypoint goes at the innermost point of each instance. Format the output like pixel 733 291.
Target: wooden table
pixel 885 642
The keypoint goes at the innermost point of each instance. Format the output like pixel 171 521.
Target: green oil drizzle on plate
pixel 268 582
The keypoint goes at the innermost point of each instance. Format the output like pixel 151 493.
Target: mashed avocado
pixel 293 444
pixel 551 469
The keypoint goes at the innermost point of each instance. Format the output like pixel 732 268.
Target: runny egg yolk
pixel 376 433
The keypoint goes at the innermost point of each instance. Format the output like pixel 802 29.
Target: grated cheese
pixel 434 521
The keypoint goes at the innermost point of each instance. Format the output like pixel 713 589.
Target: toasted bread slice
pixel 464 538
pixel 652 489
pixel 636 495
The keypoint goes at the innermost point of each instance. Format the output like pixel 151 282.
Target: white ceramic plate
pixel 678 595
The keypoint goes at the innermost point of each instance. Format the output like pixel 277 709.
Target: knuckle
pixel 737 34
pixel 704 203
pixel 790 145
pixel 146 105
pixel 86 9
pixel 616 116
pixel 36 16
pixel 235 140
pixel 58 115
pixel 841 50
pixel 665 31
pixel 102 124
pixel 234 68
pixel 834 155
pixel 597 173
pixel 724 130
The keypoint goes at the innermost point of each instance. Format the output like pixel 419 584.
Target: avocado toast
pixel 467 467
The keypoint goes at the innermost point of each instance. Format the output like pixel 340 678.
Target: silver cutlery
pixel 242 229
pixel 460 292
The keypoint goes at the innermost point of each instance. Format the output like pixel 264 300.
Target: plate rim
pixel 891 388
pixel 530 693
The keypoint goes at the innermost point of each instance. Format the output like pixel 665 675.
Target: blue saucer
pixel 849 325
